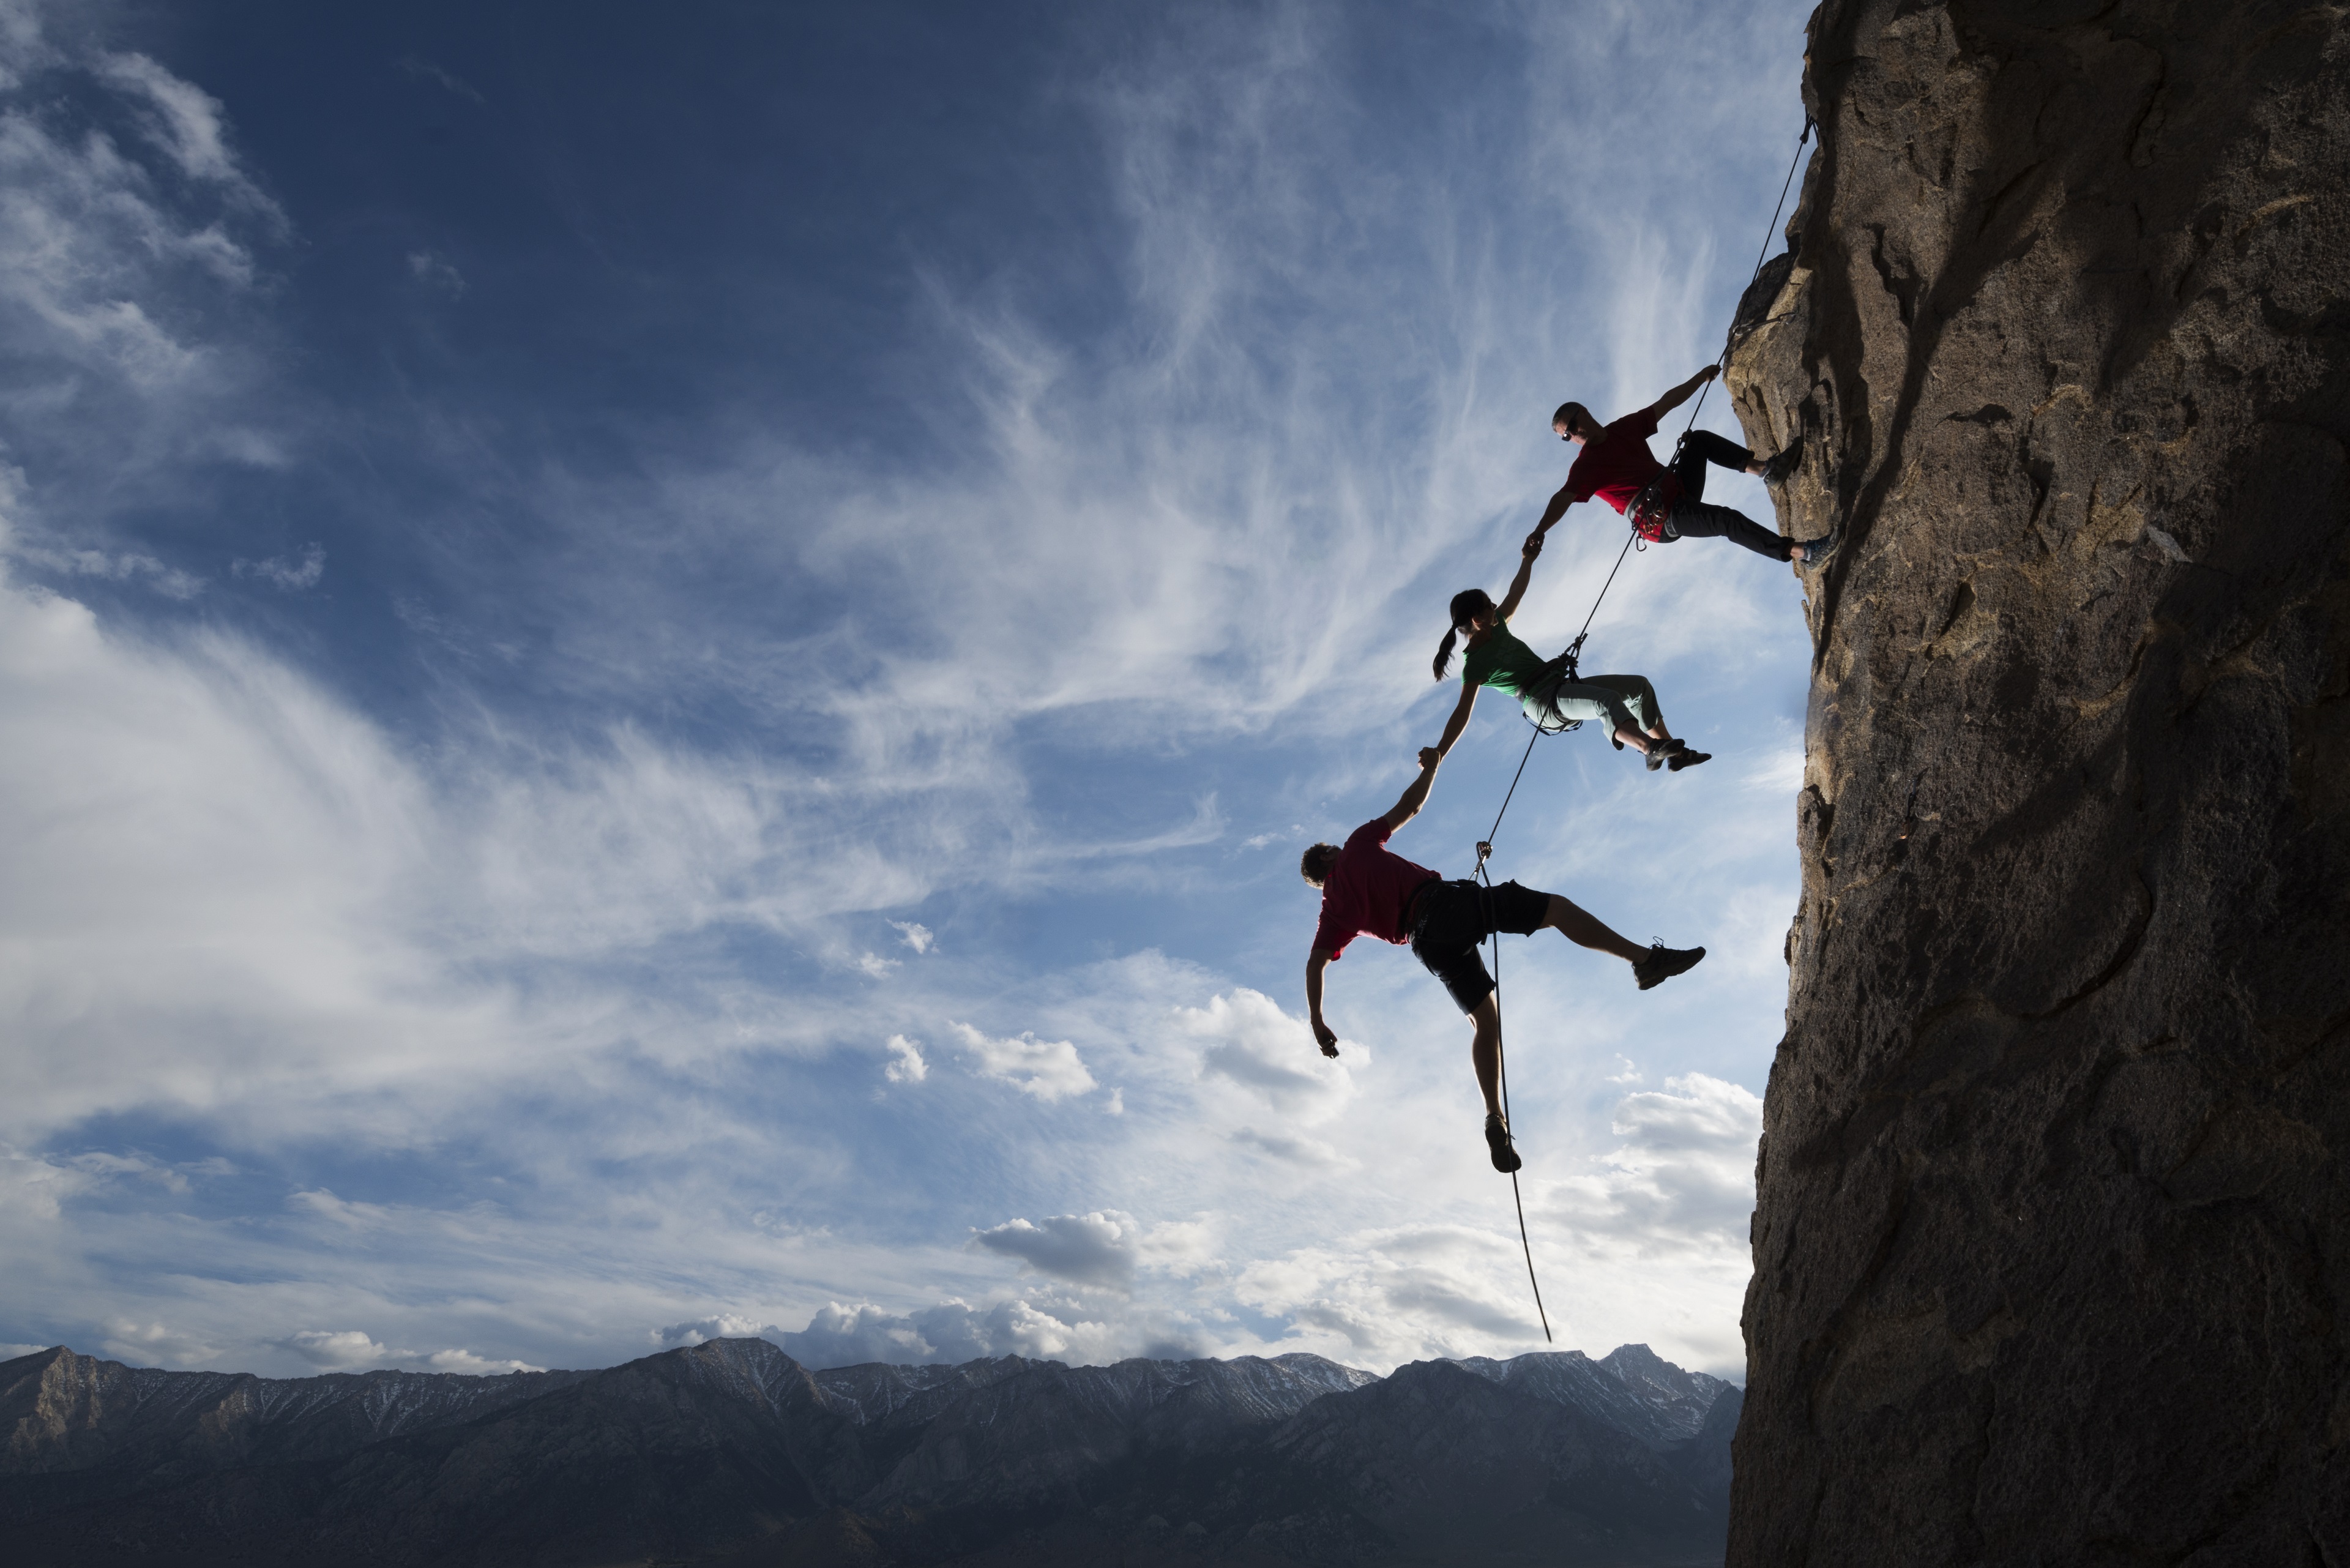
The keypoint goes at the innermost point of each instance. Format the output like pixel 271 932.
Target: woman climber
pixel 1667 504
pixel 1550 692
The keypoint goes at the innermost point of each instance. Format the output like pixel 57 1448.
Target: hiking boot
pixel 1497 1139
pixel 1661 964
pixel 1685 758
pixel 1819 549
pixel 1775 469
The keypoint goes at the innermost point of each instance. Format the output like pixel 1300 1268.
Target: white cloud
pixel 1095 1249
pixel 1780 771
pixel 436 272
pixel 285 572
pixel 419 67
pixel 350 1350
pixel 239 901
pixel 1246 1041
pixel 1048 1069
pixel 906 1064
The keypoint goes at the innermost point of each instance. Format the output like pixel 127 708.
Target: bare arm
pixel 1459 720
pixel 1526 554
pixel 1415 795
pixel 1315 962
pixel 1680 394
pixel 1553 512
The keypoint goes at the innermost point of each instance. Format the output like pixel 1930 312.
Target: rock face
pixel 732 1453
pixel 2052 1241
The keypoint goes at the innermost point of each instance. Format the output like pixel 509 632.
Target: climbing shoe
pixel 1661 964
pixel 1497 1138
pixel 1775 469
pixel 1655 756
pixel 1818 550
pixel 1685 758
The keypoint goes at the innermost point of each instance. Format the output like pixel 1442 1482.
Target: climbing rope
pixel 1574 650
pixel 1502 1071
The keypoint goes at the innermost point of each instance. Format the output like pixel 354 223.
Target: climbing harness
pixel 1650 521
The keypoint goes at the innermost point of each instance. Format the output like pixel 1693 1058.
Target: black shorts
pixel 1450 919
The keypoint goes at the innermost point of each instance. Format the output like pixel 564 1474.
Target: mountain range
pixel 731 1452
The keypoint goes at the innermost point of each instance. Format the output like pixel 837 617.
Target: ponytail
pixel 1467 605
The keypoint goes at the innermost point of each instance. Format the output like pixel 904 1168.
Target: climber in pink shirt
pixel 1369 890
pixel 1664 504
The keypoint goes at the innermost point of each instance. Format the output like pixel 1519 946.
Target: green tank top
pixel 1501 660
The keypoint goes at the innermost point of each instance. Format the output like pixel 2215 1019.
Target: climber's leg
pixel 1695 519
pixel 1700 448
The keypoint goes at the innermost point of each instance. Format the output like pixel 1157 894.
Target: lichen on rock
pixel 2051 1244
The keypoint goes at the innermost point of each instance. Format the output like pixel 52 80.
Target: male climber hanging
pixel 1550 693
pixel 1667 504
pixel 1366 889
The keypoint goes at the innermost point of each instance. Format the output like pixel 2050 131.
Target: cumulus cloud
pixel 1246 1040
pixel 1048 1069
pixel 906 1064
pixel 1095 1249
pixel 952 1330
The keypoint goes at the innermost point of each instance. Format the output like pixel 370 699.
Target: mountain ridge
pixel 733 1451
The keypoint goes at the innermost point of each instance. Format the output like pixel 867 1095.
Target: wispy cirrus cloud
pixel 693 775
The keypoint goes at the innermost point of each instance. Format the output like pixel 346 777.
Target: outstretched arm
pixel 1526 554
pixel 1680 394
pixel 1553 512
pixel 1327 1037
pixel 1459 720
pixel 1415 795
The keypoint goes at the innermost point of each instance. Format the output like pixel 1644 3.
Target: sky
pixel 661 674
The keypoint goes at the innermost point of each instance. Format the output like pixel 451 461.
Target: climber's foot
pixel 1661 964
pixel 1497 1139
pixel 1685 758
pixel 1775 469
pixel 1819 549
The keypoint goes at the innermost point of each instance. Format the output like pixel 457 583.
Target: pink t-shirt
pixel 1369 891
pixel 1618 465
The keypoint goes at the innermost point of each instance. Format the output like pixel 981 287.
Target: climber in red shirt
pixel 1667 504
pixel 1369 890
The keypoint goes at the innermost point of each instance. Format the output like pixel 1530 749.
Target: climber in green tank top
pixel 1544 689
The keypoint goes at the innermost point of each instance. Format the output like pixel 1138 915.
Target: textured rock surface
pixel 2052 1241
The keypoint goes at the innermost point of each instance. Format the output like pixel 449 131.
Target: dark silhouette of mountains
pixel 732 1453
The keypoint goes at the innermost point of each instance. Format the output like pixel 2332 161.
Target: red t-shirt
pixel 1618 465
pixel 1367 891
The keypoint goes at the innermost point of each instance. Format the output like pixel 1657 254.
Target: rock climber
pixel 1368 889
pixel 1667 504
pixel 1548 692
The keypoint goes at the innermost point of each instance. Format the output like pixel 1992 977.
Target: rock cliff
pixel 2051 1248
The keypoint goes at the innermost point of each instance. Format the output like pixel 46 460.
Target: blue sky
pixel 663 674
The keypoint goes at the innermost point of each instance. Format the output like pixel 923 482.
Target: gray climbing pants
pixel 1623 702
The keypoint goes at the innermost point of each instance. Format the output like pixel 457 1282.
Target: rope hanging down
pixel 1574 650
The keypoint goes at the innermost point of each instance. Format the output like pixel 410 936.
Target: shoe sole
pixel 1652 979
